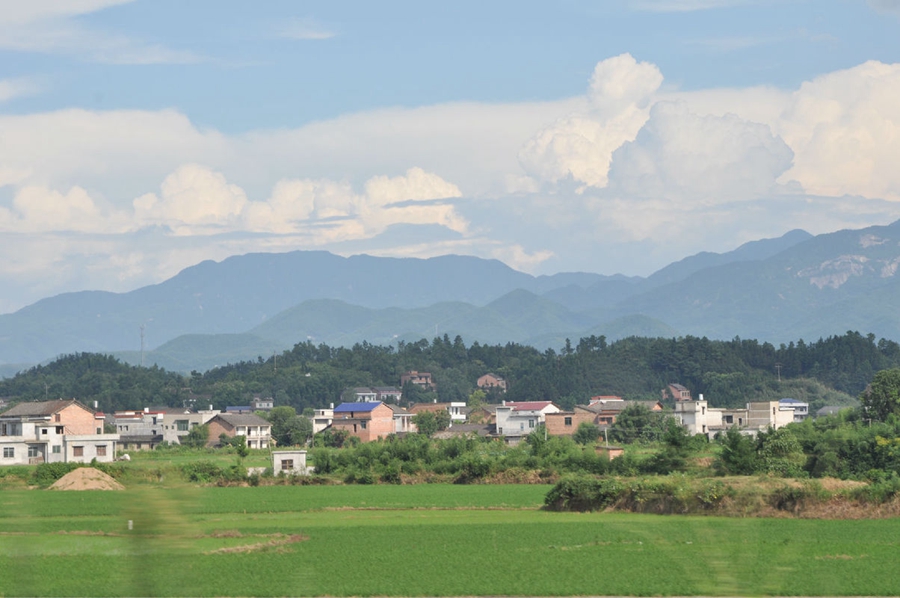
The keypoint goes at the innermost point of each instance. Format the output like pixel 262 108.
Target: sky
pixel 139 137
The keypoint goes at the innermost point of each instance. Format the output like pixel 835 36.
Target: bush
pixel 583 493
pixel 201 471
pixel 46 473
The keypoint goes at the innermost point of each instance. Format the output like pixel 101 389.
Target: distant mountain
pixel 776 290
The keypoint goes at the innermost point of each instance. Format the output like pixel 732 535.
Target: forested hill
pixel 727 373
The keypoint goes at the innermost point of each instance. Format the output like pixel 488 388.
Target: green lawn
pixel 426 540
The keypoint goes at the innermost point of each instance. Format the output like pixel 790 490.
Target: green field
pixel 424 540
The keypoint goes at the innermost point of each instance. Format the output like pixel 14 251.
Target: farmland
pixel 417 540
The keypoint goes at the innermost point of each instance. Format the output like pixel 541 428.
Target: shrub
pixel 201 471
pixel 583 493
pixel 46 473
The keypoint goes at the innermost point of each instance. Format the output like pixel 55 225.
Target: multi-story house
pixel 57 431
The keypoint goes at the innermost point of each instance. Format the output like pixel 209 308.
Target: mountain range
pixel 777 290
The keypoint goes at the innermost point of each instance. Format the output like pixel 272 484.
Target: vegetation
pixel 728 373
pixel 201 542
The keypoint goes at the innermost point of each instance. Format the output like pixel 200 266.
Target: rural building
pixel 421 379
pixel 366 421
pixel 146 428
pixel 60 431
pixel 322 418
pixel 262 403
pixel 518 419
pixel 457 409
pixel 255 429
pixel 698 418
pixel 492 382
pixel 565 423
pixel 402 420
pixel 290 463
pixel 676 392
pixel 801 409
pixel 374 394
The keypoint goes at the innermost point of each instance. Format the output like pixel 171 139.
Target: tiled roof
pixel 242 419
pixel 40 408
pixel 362 407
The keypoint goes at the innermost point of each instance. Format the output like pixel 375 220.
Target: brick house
pixel 676 392
pixel 457 409
pixel 492 381
pixel 565 423
pixel 60 431
pixel 257 431
pixel 366 421
pixel 422 379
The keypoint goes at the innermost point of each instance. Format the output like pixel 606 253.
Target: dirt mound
pixel 86 478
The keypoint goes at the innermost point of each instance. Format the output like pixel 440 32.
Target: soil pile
pixel 86 478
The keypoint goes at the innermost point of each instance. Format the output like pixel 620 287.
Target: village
pixel 67 431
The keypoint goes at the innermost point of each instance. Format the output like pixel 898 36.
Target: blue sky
pixel 140 137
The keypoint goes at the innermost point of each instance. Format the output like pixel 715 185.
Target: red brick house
pixel 366 421
pixel 492 381
pixel 257 430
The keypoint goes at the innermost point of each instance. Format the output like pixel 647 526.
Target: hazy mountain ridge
pixel 775 289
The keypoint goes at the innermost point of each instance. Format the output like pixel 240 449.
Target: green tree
pixel 882 397
pixel 586 433
pixel 197 437
pixel 426 423
pixel 737 455
pixel 288 428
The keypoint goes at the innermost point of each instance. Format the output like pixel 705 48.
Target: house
pixel 516 420
pixel 801 409
pixel 60 431
pixel 422 379
pixel 388 394
pixel 262 404
pixel 322 418
pixel 402 420
pixel 366 421
pixel 491 382
pixel 290 463
pixel 676 392
pixel 238 409
pixel 565 423
pixel 255 429
pixel 145 429
pixel 604 398
pixel 457 409
pixel 698 418
pixel 385 394
pixel 606 410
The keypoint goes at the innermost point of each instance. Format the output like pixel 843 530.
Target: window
pixel 99 430
pixel 78 451
pixel 56 417
pixel 287 464
pixel 568 421
pixel 363 424
pixel 57 449
pixel 9 452
pixel 101 450
pixel 181 425
pixel 530 423
pixel 43 430
pixel 33 451
pixel 59 429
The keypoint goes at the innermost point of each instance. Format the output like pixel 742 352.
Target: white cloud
pixel 193 200
pixel 683 5
pixel 304 29
pixel 681 155
pixel 53 27
pixel 14 88
pixel 888 6
pixel 580 146
pixel 38 209
pixel 844 128
pixel 416 184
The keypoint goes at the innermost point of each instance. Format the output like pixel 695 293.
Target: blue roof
pixel 346 407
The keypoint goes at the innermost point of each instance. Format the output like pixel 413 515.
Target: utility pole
pixel 778 369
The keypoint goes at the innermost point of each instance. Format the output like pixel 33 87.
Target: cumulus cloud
pixel 579 147
pixel 41 209
pixel 193 199
pixel 679 154
pixel 416 184
pixel 844 128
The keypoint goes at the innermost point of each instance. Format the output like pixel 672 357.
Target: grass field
pixel 425 540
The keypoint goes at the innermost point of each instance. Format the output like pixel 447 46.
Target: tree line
pixel 727 373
